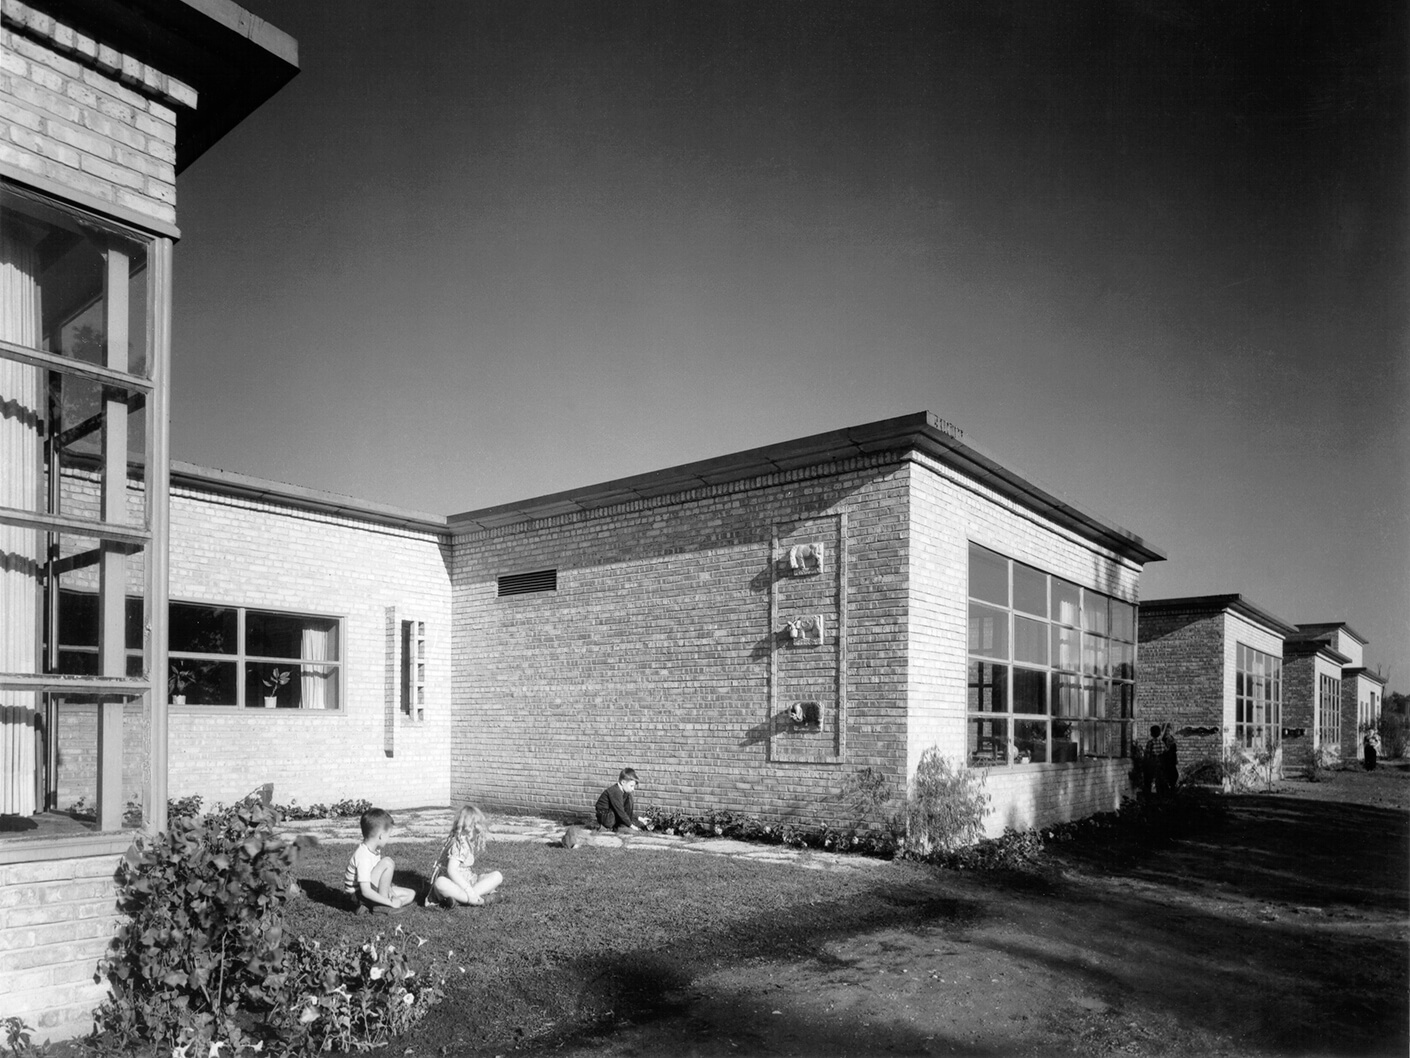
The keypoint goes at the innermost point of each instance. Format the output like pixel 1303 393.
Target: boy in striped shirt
pixel 368 880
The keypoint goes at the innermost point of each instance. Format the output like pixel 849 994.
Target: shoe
pixel 362 909
pixel 383 909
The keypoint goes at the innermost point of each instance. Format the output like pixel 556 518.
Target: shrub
pixel 204 939
pixel 203 960
pixel 345 999
pixel 946 807
pixel 1238 768
pixel 1325 759
pixel 1395 729
pixel 750 828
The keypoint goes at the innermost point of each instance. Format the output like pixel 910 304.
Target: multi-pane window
pixel 1051 666
pixel 1329 712
pixel 221 655
pixel 413 669
pixel 83 349
pixel 1258 698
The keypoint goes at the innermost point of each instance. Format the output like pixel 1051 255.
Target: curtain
pixel 19 487
pixel 313 681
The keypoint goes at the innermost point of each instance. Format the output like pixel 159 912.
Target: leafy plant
pixel 867 792
pixel 204 963
pixel 1325 759
pixel 276 679
pixel 179 678
pixel 19 1038
pixel 204 937
pixel 946 806
pixel 1236 768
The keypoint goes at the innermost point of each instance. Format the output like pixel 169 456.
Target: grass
pixel 575 936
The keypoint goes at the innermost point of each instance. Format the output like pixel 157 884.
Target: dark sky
pixel 1150 255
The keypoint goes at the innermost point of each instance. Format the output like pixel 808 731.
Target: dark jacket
pixel 615 809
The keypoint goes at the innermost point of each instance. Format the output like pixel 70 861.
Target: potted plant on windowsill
pixel 276 679
pixel 177 681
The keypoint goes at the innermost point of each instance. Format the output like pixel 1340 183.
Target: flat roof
pixel 1361 670
pixel 1314 646
pixel 920 432
pixel 243 486
pixel 233 59
pixel 1323 627
pixel 1234 602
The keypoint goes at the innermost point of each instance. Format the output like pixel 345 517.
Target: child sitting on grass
pixel 452 881
pixel 368 880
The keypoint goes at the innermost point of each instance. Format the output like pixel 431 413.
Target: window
pixel 413 669
pixel 523 583
pixel 1329 712
pixel 220 655
pixel 1258 698
pixel 78 509
pixel 1051 666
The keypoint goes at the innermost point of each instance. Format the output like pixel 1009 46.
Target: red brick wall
pixel 1181 678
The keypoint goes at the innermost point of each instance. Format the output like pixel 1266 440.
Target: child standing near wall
pixel 452 880
pixel 368 880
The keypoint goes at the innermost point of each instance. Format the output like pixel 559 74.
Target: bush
pixel 203 960
pixel 1395 729
pixel 946 807
pixel 750 828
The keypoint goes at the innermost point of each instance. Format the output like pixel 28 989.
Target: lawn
pixel 1255 925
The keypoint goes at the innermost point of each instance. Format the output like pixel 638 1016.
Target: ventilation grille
pixel 523 583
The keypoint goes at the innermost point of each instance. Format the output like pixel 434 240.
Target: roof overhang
pixel 1305 647
pixel 922 432
pixel 1360 672
pixel 243 486
pixel 1317 628
pixel 233 59
pixel 1230 603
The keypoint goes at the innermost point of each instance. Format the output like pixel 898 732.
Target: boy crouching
pixel 368 881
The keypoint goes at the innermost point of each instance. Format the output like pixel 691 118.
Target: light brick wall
pixel 1345 643
pixel 56 919
pixel 76 112
pixel 268 555
pixel 947 512
pixel 655 651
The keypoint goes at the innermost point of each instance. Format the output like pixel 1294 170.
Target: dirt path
pixel 1278 926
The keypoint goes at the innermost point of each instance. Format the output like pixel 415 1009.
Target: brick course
pixel 78 113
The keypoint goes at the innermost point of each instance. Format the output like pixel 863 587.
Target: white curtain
pixel 313 683
pixel 19 485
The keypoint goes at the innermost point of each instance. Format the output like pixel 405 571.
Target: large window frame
pixel 88 353
pixel 1329 711
pixel 1050 666
pixel 1258 698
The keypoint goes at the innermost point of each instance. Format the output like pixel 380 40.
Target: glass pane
pixel 1030 590
pixel 988 687
pixel 1064 750
pixel 274 685
pixel 1094 698
pixel 1095 616
pixel 988 576
pixel 71 255
pixel 78 620
pixel 1121 704
pixel 1067 647
pixel 1030 691
pixel 1066 602
pixel 1094 661
pixel 318 686
pixel 1123 621
pixel 197 629
pixel 1123 660
pixel 988 741
pixel 1030 640
pixel 1030 740
pixel 988 631
pixel 202 682
pixel 1067 694
pixel 277 635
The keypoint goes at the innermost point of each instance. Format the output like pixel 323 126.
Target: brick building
pixel 101 106
pixel 1212 665
pixel 751 630
pixel 1335 703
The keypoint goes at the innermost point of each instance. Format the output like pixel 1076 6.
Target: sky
pixel 1152 256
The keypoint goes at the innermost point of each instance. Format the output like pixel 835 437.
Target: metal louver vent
pixel 522 583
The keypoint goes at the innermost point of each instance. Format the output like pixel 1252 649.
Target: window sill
pixel 65 847
pixel 242 710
